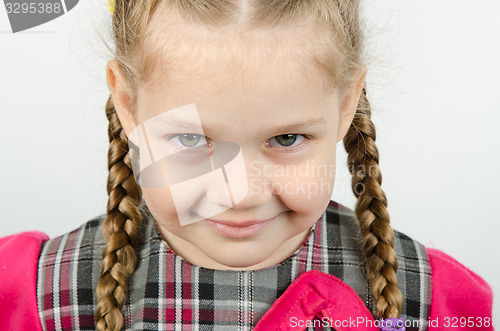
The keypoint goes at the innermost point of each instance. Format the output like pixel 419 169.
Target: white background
pixel 434 84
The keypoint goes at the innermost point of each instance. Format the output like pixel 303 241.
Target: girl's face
pixel 286 127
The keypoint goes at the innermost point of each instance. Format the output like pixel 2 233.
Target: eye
pixel 187 141
pixel 286 140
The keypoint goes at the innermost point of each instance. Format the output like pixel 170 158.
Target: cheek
pixel 161 205
pixel 306 188
pixel 175 203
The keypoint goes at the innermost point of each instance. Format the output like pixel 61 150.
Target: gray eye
pixel 189 140
pixel 286 140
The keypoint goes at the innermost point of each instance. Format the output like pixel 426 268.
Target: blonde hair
pixel 337 54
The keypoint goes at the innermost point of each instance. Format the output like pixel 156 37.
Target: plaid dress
pixel 168 293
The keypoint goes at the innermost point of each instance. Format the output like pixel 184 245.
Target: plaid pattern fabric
pixel 168 293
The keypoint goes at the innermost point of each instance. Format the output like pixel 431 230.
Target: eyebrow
pixel 175 123
pixel 297 127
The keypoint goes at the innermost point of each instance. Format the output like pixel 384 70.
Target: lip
pixel 235 229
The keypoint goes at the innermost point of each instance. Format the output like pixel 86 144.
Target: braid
pixel 119 228
pixel 371 211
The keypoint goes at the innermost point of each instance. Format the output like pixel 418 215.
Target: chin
pixel 242 258
pixel 240 264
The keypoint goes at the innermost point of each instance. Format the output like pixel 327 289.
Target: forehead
pixel 248 72
pixel 175 50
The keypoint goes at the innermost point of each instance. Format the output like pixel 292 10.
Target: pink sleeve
pixel 18 273
pixel 460 298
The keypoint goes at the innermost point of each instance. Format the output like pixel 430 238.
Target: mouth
pixel 235 229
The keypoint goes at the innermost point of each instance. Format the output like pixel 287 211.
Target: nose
pixel 240 183
pixel 258 188
pixel 238 178
pixel 218 190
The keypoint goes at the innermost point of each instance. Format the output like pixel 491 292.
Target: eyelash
pixel 292 148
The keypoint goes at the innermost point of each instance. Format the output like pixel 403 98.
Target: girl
pixel 218 219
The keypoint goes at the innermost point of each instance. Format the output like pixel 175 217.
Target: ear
pixel 121 94
pixel 349 103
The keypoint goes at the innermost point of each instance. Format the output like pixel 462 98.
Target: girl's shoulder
pixel 18 273
pixel 20 258
pixel 459 295
pixel 454 292
pixel 344 232
pixel 414 273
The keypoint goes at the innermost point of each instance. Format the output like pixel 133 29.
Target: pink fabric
pixel 461 300
pixel 458 296
pixel 18 272
pixel 316 294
